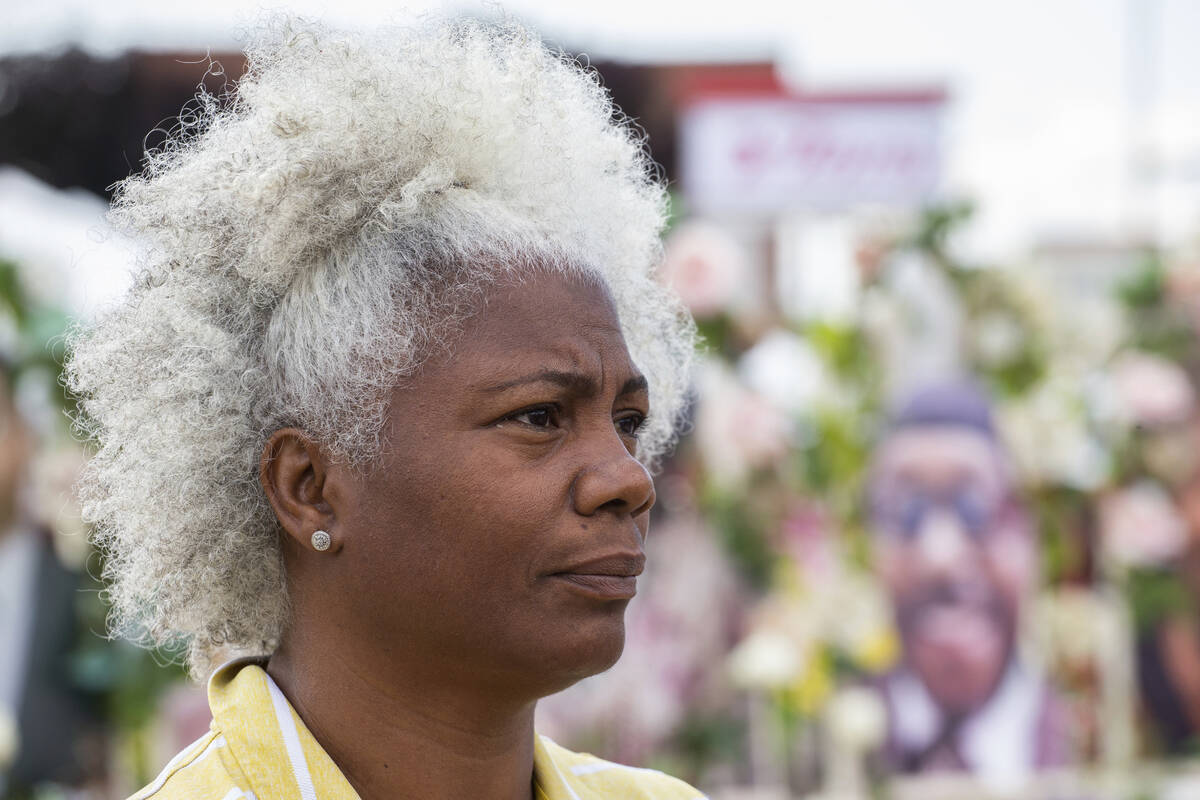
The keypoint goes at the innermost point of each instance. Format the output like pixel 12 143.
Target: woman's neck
pixel 411 734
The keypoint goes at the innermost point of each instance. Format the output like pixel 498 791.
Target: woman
pixel 377 413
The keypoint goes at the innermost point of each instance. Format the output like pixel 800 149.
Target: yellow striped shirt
pixel 259 749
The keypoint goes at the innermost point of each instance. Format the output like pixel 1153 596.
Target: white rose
pixel 785 370
pixel 766 660
pixel 857 719
pixel 1065 624
pixel 1047 433
pixel 736 429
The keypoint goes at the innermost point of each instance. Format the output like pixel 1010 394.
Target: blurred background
pixel 935 528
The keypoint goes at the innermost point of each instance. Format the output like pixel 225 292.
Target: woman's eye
pixel 537 417
pixel 630 425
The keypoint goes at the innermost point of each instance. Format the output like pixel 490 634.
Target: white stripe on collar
pixel 179 758
pixel 291 739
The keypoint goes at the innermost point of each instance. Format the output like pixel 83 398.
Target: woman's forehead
pixel 543 322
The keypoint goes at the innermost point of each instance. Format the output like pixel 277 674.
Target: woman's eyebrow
pixel 637 383
pixel 576 382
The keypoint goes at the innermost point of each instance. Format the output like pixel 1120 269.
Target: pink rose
pixel 704 265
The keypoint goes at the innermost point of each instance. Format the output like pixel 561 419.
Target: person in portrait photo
pixel 957 551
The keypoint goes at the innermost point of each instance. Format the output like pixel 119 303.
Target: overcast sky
pixel 1048 96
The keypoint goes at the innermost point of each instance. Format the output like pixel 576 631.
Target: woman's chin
pixel 587 651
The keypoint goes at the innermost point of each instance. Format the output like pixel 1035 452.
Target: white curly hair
pixel 309 238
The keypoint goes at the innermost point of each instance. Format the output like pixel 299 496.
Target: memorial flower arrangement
pixel 1094 394
pixel 760 613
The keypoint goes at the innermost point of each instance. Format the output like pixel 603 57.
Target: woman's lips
pixel 605 587
pixel 611 576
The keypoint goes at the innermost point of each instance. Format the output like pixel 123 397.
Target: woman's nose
pixel 612 479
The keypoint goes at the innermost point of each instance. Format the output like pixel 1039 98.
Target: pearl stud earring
pixel 321 540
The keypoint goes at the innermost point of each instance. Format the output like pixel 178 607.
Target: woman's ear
pixel 293 471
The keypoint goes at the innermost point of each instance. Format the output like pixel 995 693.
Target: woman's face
pixel 500 533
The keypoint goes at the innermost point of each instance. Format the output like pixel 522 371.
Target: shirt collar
pixel 272 746
pixel 996 740
pixel 283 761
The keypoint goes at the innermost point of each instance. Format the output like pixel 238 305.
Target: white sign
pixel 777 153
